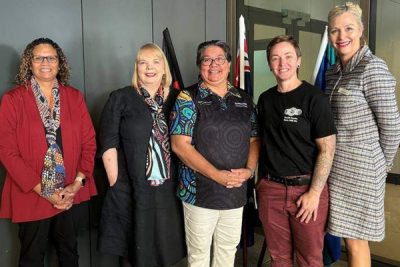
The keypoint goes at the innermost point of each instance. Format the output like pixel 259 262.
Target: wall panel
pixel 216 20
pixel 186 23
pixel 113 32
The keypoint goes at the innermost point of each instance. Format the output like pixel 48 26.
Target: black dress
pixel 138 221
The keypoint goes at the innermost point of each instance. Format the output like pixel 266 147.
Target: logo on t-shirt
pixel 291 113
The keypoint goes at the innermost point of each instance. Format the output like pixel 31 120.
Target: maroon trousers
pixel 284 233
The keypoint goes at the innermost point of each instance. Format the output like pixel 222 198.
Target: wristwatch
pixel 82 180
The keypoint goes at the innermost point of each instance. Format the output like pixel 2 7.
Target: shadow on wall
pixel 10 61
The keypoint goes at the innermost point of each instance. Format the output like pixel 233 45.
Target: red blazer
pixel 23 146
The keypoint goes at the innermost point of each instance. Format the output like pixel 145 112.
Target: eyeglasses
pixel 40 59
pixel 207 61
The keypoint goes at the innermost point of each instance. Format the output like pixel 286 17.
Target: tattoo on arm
pixel 323 164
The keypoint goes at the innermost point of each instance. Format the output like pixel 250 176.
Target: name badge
pixel 206 103
pixel 241 105
pixel 343 91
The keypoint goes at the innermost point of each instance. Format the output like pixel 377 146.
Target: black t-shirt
pixel 289 124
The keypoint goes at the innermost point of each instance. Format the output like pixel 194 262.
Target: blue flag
pixel 326 58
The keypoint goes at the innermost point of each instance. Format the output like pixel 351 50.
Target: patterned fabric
pixel 184 114
pixel 183 119
pixel 365 111
pixel 53 173
pixel 158 158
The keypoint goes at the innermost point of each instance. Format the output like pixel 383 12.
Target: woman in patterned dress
pixel 362 95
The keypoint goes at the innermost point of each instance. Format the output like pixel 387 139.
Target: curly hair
pixel 24 74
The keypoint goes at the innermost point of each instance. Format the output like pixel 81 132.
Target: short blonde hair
pixel 353 9
pixel 167 78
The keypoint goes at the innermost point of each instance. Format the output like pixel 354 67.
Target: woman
pixel 298 144
pixel 47 146
pixel 213 132
pixel 141 218
pixel 362 95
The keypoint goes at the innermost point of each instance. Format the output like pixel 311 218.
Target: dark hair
pixel 25 73
pixel 224 46
pixel 280 39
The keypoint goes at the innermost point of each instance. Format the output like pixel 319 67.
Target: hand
pixel 68 194
pixel 308 204
pixel 112 180
pixel 229 179
pixel 58 201
pixel 244 173
pixel 55 198
pixel 222 177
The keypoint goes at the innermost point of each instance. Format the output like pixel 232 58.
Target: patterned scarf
pixel 53 173
pixel 158 158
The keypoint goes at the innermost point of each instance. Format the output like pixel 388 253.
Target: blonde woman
pixel 141 218
pixel 362 95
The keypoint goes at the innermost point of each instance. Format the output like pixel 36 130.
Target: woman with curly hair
pixel 47 146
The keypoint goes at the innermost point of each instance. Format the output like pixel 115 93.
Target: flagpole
pixel 320 56
pixel 242 33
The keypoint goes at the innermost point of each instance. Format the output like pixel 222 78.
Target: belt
pixel 296 180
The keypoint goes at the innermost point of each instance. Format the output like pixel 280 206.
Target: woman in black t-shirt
pixel 298 143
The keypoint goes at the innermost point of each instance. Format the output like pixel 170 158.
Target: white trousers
pixel 222 227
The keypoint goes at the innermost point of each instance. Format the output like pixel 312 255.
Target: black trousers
pixel 34 237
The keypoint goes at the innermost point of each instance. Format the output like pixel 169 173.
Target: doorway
pixel 263 25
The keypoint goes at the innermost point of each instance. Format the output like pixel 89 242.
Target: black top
pixel 222 135
pixel 140 221
pixel 289 124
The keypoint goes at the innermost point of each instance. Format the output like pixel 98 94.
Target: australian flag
pixel 245 67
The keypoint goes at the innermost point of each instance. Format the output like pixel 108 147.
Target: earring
pixel 298 66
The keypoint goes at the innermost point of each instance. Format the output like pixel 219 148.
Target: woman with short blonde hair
pixel 362 95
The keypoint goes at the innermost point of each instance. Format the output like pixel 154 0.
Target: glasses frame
pixel 213 60
pixel 49 59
